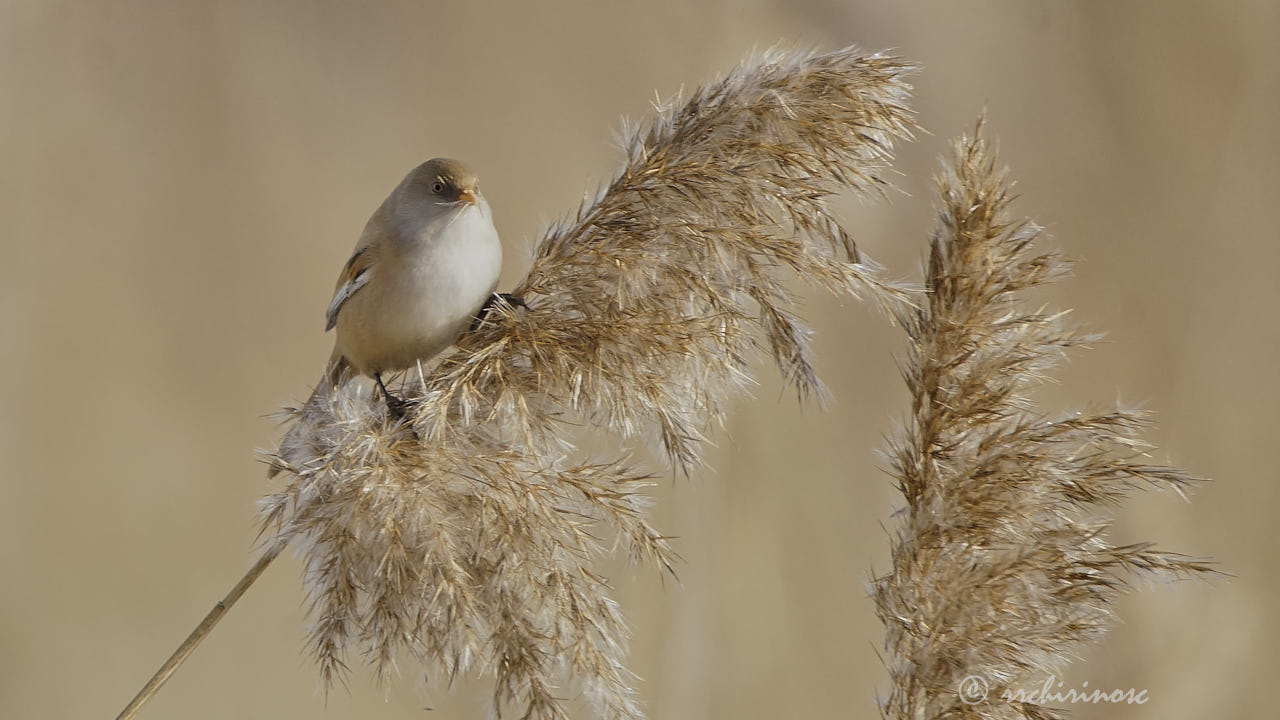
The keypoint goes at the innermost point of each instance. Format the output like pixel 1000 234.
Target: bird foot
pixel 396 406
pixel 483 313
pixel 397 409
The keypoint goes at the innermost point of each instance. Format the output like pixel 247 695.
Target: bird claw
pixel 397 409
pixel 396 406
pixel 483 313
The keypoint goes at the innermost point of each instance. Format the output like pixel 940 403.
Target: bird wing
pixel 354 276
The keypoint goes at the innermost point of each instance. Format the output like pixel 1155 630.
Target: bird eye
pixel 437 187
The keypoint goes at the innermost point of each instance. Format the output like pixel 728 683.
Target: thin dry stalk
pixel 1001 564
pixel 470 544
pixel 198 635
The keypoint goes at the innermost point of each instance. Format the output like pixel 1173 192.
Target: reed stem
pixel 193 640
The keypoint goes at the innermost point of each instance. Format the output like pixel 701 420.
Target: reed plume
pixel 468 540
pixel 1001 564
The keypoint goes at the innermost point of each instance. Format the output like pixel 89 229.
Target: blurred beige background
pixel 182 180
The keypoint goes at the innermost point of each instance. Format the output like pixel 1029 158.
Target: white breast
pixel 423 293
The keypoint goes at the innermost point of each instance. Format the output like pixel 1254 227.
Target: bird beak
pixel 466 196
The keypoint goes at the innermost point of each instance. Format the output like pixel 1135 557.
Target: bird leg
pixel 394 404
pixel 512 300
pixel 483 312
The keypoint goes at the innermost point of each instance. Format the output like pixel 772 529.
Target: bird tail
pixel 336 373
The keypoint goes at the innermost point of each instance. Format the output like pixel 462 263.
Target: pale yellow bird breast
pixel 422 293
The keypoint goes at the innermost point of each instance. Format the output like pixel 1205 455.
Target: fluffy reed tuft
pixel 469 543
pixel 1001 564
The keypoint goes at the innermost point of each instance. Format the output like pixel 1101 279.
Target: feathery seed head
pixel 470 542
pixel 1000 567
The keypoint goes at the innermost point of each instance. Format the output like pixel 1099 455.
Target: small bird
pixel 425 265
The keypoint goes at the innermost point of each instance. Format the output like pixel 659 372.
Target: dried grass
pixel 1001 563
pixel 467 536
pixel 470 544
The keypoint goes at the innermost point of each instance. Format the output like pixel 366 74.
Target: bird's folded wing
pixel 354 276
